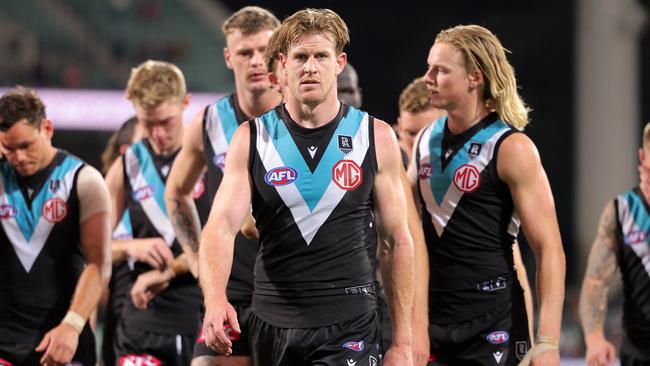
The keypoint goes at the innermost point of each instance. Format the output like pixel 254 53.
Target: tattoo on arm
pixel 600 270
pixel 185 220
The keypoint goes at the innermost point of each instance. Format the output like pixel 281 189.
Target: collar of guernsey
pixel 312 196
pixel 26 227
pixel 147 184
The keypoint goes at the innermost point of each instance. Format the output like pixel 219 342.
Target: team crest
pixel 474 149
pixel 467 178
pixel 345 143
pixel 347 175
pixel 55 210
pixel 281 176
pixel 7 211
pixel 55 184
pixel 425 171
pixel 521 348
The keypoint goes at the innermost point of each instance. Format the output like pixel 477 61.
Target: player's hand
pixel 600 352
pixel 217 315
pixel 148 285
pixel 153 251
pixel 59 345
pixel 399 356
pixel 548 358
pixel 420 345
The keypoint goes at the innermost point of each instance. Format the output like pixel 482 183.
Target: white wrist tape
pixel 74 320
pixel 539 347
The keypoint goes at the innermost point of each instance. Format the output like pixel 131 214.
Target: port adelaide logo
pixel 281 176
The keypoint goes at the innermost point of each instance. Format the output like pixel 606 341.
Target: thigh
pixel 268 344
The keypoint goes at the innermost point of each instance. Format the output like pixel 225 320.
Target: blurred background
pixel 581 66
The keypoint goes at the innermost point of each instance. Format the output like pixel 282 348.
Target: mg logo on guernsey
pixel 467 178
pixel 280 176
pixel 347 175
pixel 54 210
pixel 7 211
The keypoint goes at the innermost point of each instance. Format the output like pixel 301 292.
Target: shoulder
pixel 517 157
pixel 384 133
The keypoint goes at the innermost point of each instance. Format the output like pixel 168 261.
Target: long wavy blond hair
pixel 483 51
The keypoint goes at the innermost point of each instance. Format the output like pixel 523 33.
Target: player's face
pixel 245 57
pixel 312 66
pixel 409 124
pixel 446 77
pixel 163 125
pixel 27 147
pixel 348 90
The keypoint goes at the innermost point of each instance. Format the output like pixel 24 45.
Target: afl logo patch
pixel 7 211
pixel 55 210
pixel 354 346
pixel 198 189
pixel 347 175
pixel 143 193
pixel 467 178
pixel 280 176
pixel 425 171
pixel 498 337
pixel 635 237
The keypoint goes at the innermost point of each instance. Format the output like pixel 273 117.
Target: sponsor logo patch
pixel 467 178
pixel 355 346
pixel 497 356
pixel 425 171
pixel 219 161
pixel 347 175
pixel 7 211
pixel 55 210
pixel 474 149
pixel 345 143
pixel 498 337
pixel 198 189
pixel 635 237
pixel 372 361
pixel 143 193
pixel 280 176
pixel 139 360
pixel 351 362
pixel 55 184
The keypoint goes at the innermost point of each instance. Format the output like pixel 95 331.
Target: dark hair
pixel 18 104
pixel 123 136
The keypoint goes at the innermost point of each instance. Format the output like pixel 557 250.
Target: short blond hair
pixel 311 21
pixel 415 98
pixel 482 50
pixel 250 20
pixel 155 82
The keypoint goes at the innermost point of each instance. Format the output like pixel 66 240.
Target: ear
pixel 341 61
pixel 641 156
pixel 282 59
pixel 47 128
pixel 186 100
pixel 226 57
pixel 475 79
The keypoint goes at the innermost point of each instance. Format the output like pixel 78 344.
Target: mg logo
pixel 54 210
pixel 199 188
pixel 467 178
pixel 347 175
pixel 7 211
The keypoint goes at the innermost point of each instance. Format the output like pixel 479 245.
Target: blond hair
pixel 272 53
pixel 415 98
pixel 155 82
pixel 250 20
pixel 311 21
pixel 482 51
pixel 646 135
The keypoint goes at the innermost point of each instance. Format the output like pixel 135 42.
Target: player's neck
pixel 253 103
pixel 463 118
pixel 313 116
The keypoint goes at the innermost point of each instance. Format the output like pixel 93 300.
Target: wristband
pixel 548 340
pixel 74 320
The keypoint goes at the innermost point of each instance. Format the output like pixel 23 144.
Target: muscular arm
pixel 186 170
pixel 520 167
pixel 601 267
pixel 396 255
pixel 522 276
pixel 115 183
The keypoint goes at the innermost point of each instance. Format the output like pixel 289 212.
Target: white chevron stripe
pixel 310 222
pixel 215 132
pixel 28 251
pixel 154 212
